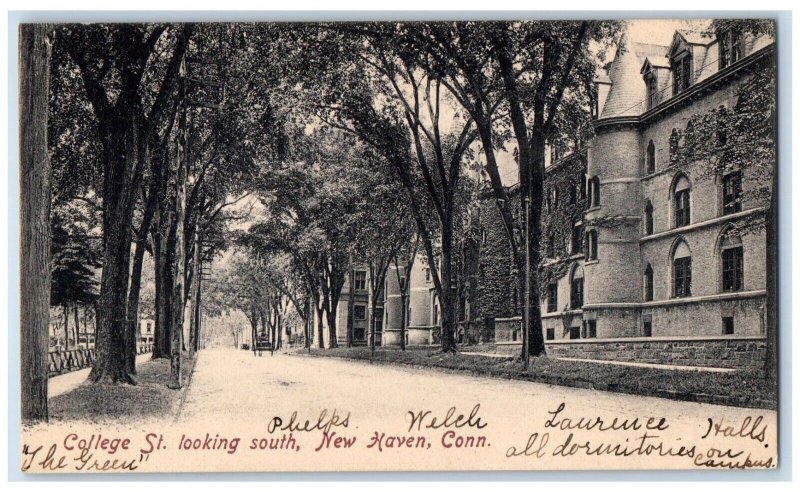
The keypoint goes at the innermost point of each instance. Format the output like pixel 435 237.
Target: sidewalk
pixel 614 362
pixel 64 383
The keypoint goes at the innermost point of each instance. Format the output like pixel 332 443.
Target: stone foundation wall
pixel 735 352
pixel 508 329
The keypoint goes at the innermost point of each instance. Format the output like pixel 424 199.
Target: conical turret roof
pixel 628 90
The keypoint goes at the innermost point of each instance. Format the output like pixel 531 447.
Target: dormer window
pixel 681 72
pixel 730 47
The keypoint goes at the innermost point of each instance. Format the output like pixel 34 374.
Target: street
pixel 234 391
pixel 234 385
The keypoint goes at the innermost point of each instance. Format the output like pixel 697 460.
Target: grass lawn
pixel 102 402
pixel 743 388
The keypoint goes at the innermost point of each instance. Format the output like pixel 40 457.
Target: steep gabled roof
pixel 628 89
pixel 694 38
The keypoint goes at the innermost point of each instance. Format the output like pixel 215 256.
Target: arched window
pixel 648 218
pixel 650 158
pixel 674 142
pixel 732 258
pixel 648 283
pixel 595 189
pixel 681 270
pixel 591 245
pixel 681 199
pixel 576 288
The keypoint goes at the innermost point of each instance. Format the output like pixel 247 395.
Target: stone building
pixel 423 310
pixel 657 268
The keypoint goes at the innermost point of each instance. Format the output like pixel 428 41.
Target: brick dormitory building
pixel 648 259
pixel 653 266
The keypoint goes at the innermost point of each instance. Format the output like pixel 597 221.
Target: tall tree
pixel 540 72
pixel 397 106
pixel 34 53
pixel 129 73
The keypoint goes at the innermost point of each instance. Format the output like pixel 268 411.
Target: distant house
pixel 146 330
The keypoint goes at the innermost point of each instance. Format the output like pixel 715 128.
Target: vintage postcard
pixel 398 246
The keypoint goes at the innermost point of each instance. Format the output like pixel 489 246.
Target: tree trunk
pixel 66 326
pixel 309 323
pixel 161 332
pixel 121 157
pixel 77 331
pixel 197 326
pixel 179 278
pixel 351 295
pixel 330 314
pixel 446 296
pixel 536 339
pixel 35 173
pixel 320 324
pixel 133 307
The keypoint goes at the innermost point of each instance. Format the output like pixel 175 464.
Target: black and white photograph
pixel 398 245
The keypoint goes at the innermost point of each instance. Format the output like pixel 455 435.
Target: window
pixel 681 73
pixel 647 326
pixel 573 195
pixel 682 271
pixel 591 329
pixel 552 298
pixel 595 191
pixel 576 243
pixel 648 218
pixel 574 332
pixel 550 334
pixel 149 327
pixel 378 320
pixel 732 262
pixel 360 282
pixel 650 158
pixel 360 312
pixel 648 283
pixel 652 90
pixel 551 247
pixel 576 288
pixel 730 47
pixel 427 274
pixel 591 245
pixel 732 193
pixel 682 201
pixel 727 325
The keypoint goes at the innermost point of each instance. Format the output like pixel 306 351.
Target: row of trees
pixel 361 142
